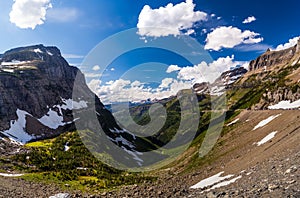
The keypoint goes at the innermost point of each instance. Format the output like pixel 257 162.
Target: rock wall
pixel 273 58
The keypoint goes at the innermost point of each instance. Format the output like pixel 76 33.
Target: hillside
pixel 257 153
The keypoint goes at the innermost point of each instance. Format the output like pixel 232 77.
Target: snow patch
pixel 233 122
pixel 211 180
pixel 14 62
pixel 17 134
pixel 52 120
pixel 17 129
pixel 267 138
pixel 38 50
pixel 217 91
pixel 71 104
pixel 61 195
pixel 49 53
pixel 10 175
pixel 265 122
pixel 225 183
pixel 286 104
pixel 66 147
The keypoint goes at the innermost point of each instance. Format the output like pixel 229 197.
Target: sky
pixel 230 32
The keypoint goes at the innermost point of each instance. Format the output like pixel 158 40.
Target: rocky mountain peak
pixel 36 85
pixel 276 58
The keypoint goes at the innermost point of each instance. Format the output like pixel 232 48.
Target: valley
pixel 43 152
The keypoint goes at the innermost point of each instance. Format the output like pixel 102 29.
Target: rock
pixel 61 195
pixel 273 58
pixel 272 187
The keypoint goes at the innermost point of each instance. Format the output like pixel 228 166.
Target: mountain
pixel 272 59
pixel 42 96
pixel 36 85
pixel 256 153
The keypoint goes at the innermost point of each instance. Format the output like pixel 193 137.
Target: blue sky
pixel 77 26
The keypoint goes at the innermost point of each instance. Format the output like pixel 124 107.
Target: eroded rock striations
pixel 273 58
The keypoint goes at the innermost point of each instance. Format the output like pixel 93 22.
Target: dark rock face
pixel 273 58
pixel 231 76
pixel 223 82
pixel 38 80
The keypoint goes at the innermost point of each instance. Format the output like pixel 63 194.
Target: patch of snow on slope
pixel 49 53
pixel 267 138
pixel 233 122
pixel 135 154
pixel 10 175
pixel 211 180
pixel 17 128
pixel 66 147
pixel 265 122
pixel 61 195
pixel 225 183
pixel 38 50
pixel 286 104
pixel 217 90
pixel 14 62
pixel 71 104
pixel 52 120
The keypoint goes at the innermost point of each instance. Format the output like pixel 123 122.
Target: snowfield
pixel 265 121
pixel 17 134
pixel 211 180
pixel 10 175
pixel 233 122
pixel 267 138
pixel 286 104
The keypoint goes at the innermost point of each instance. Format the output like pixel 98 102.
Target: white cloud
pixel 112 69
pixel 169 20
pixel 72 56
pixel 96 68
pixel 94 85
pixel 292 42
pixel 204 72
pixel 229 37
pixel 173 68
pixel 250 19
pixel 29 13
pixel 165 83
pixel 126 90
pixel 63 15
pixel 92 75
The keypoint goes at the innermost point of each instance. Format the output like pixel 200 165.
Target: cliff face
pixel 273 58
pixel 36 85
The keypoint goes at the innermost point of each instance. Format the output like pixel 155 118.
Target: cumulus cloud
pixel 169 20
pixel 96 68
pixel 204 72
pixel 229 37
pixel 292 42
pixel 94 85
pixel 29 13
pixel 127 90
pixel 250 19
pixel 173 68
pixel 72 56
